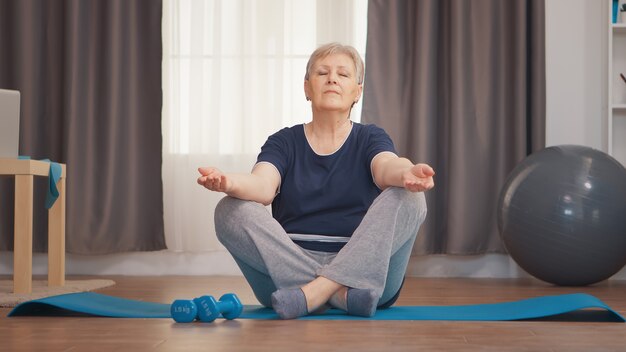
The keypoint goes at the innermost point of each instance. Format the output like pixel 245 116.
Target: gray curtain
pixel 458 84
pixel 90 77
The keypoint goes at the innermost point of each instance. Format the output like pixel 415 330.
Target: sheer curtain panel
pixel 233 74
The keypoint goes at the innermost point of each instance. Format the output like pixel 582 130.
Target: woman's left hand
pixel 419 178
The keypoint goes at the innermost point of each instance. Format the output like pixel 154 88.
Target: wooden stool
pixel 24 172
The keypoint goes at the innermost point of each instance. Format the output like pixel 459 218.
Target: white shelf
pixel 616 122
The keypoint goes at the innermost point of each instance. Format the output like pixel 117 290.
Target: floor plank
pixel 106 334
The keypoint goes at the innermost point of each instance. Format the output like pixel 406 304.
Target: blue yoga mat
pixel 560 307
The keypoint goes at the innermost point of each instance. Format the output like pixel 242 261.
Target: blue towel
pixel 548 307
pixel 54 174
pixel 53 178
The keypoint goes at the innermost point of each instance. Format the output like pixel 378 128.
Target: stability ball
pixel 562 215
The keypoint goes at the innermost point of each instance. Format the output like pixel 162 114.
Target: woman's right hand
pixel 214 179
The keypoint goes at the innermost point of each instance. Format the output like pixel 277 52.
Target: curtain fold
pixel 459 85
pixel 90 77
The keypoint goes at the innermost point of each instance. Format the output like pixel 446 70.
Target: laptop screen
pixel 9 123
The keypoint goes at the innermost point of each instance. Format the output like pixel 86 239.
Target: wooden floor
pixel 107 334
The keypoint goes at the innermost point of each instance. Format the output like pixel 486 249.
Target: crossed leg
pixel 354 279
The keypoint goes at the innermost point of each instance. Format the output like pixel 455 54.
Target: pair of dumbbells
pixel 206 308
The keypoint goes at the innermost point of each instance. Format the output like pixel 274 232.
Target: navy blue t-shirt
pixel 324 194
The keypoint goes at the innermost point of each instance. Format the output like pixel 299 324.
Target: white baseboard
pixel 135 264
pixel 221 263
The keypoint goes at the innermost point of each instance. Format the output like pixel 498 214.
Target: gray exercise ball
pixel 562 215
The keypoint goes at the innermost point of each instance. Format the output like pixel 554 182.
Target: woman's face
pixel 332 83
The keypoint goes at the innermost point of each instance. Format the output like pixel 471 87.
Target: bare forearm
pixel 250 187
pixel 389 170
pixel 392 172
pixel 259 186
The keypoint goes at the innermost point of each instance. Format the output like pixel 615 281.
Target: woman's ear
pixel 307 92
pixel 358 94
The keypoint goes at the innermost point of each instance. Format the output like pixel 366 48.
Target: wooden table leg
pixel 23 241
pixel 56 239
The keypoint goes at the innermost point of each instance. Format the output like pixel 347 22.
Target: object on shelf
pixel 615 10
pixel 623 78
pixel 622 12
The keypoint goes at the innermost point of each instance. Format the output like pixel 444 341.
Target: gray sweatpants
pixel 375 257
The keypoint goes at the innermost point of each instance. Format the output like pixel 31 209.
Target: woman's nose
pixel 332 78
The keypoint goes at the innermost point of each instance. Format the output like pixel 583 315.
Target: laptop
pixel 9 123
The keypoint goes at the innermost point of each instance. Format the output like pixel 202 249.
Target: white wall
pixel 576 46
pixel 576 95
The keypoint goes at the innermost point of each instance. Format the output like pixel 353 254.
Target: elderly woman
pixel 345 208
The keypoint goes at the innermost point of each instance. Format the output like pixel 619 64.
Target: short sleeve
pixel 378 142
pixel 276 151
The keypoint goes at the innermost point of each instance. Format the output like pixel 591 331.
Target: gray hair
pixel 336 48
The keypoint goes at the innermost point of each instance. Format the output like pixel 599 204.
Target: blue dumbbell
pixel 184 311
pixel 209 309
